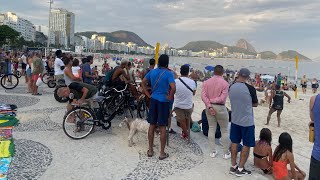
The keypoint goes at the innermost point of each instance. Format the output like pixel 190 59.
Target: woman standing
pixel 314 85
pixel 314 109
pixel 277 98
pixel 29 73
pixel 68 75
pixel 304 82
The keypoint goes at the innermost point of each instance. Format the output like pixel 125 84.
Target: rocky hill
pixel 268 55
pixel 290 55
pixel 117 37
pixel 197 46
pixel 242 43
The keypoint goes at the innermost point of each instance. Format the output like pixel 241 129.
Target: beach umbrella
pixel 267 77
pixel 228 71
pixel 209 68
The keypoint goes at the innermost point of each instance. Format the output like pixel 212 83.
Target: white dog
pixel 135 125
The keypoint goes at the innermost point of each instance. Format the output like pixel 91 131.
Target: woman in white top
pixel 76 70
pixel 68 75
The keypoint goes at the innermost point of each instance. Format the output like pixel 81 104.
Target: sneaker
pixel 227 156
pixel 243 172
pixel 233 170
pixel 172 131
pixel 213 154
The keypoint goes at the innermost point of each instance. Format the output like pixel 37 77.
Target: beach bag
pixel 195 127
pixel 39 81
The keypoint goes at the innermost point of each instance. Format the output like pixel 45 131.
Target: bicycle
pixel 86 117
pixel 9 81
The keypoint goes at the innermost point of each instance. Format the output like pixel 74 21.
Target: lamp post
pixel 48 43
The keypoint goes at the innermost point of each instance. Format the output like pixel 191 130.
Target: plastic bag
pixel 39 81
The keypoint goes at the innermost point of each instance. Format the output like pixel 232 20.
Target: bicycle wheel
pixel 142 110
pixel 51 83
pixel 45 77
pixel 9 81
pixel 78 123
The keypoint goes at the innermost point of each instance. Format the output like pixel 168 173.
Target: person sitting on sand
pixel 262 152
pixel 282 156
pixel 277 97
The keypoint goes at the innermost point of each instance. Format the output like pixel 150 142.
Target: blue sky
pixel 275 25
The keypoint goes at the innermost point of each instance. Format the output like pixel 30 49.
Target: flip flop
pixel 164 157
pixel 149 154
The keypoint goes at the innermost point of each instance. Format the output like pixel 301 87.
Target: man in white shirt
pixel 58 66
pixel 23 61
pixel 183 107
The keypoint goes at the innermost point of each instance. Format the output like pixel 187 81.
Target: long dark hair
pixel 285 144
pixel 266 136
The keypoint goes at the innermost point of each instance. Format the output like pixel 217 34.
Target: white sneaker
pixel 213 154
pixel 227 156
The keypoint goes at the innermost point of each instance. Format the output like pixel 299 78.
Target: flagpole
pixel 296 77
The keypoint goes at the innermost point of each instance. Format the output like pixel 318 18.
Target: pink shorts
pixel 35 77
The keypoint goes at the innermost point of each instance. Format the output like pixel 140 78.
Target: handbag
pixel 186 85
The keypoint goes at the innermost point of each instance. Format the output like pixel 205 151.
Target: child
pixel 262 152
pixel 282 156
pixel 76 70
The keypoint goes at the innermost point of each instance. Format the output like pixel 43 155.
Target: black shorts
pixel 277 107
pixel 158 113
pixel 315 86
pixel 304 85
pixel 23 66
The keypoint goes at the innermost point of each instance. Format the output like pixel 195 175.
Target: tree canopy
pixel 8 35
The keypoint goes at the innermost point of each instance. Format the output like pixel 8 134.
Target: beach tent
pixel 209 68
pixel 267 77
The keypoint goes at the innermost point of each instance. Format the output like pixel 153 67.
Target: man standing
pixel 58 66
pixel 242 98
pixel 214 95
pixel 186 89
pixel 160 80
pixel 37 69
pixel 314 172
pixel 87 74
pixel 23 61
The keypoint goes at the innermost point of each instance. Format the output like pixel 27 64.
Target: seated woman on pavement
pixel 262 152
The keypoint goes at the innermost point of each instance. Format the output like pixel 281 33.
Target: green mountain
pixel 268 55
pixel 197 46
pixel 117 37
pixel 242 43
pixel 290 55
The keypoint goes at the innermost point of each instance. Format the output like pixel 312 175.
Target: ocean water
pixel 272 67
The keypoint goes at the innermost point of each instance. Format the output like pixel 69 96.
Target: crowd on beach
pixel 167 92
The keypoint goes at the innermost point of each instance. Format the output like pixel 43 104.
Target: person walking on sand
pixel 277 98
pixel 242 98
pixel 314 85
pixel 214 95
pixel 314 107
pixel 304 82
pixel 160 80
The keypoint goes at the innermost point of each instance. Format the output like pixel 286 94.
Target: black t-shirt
pixel 76 89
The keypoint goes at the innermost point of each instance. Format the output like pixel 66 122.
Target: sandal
pixel 149 154
pixel 166 155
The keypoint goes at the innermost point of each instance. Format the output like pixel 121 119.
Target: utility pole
pixel 48 43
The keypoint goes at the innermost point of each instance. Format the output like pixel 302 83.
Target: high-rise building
pixel 62 23
pixel 101 39
pixel 23 26
pixel 44 30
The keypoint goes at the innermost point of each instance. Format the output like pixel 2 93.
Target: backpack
pixel 107 80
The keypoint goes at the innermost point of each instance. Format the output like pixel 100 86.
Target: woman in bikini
pixel 282 156
pixel 304 82
pixel 262 152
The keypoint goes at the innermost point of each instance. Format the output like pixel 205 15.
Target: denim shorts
pixel 158 113
pixel 246 134
pixel 28 72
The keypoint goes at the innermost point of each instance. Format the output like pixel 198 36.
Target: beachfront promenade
pixel 45 152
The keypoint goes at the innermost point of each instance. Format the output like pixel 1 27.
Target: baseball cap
pixel 244 72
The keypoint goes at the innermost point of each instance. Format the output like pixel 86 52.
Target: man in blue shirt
pixel 87 72
pixel 160 79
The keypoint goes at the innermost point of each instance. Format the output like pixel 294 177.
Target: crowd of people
pixel 166 93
